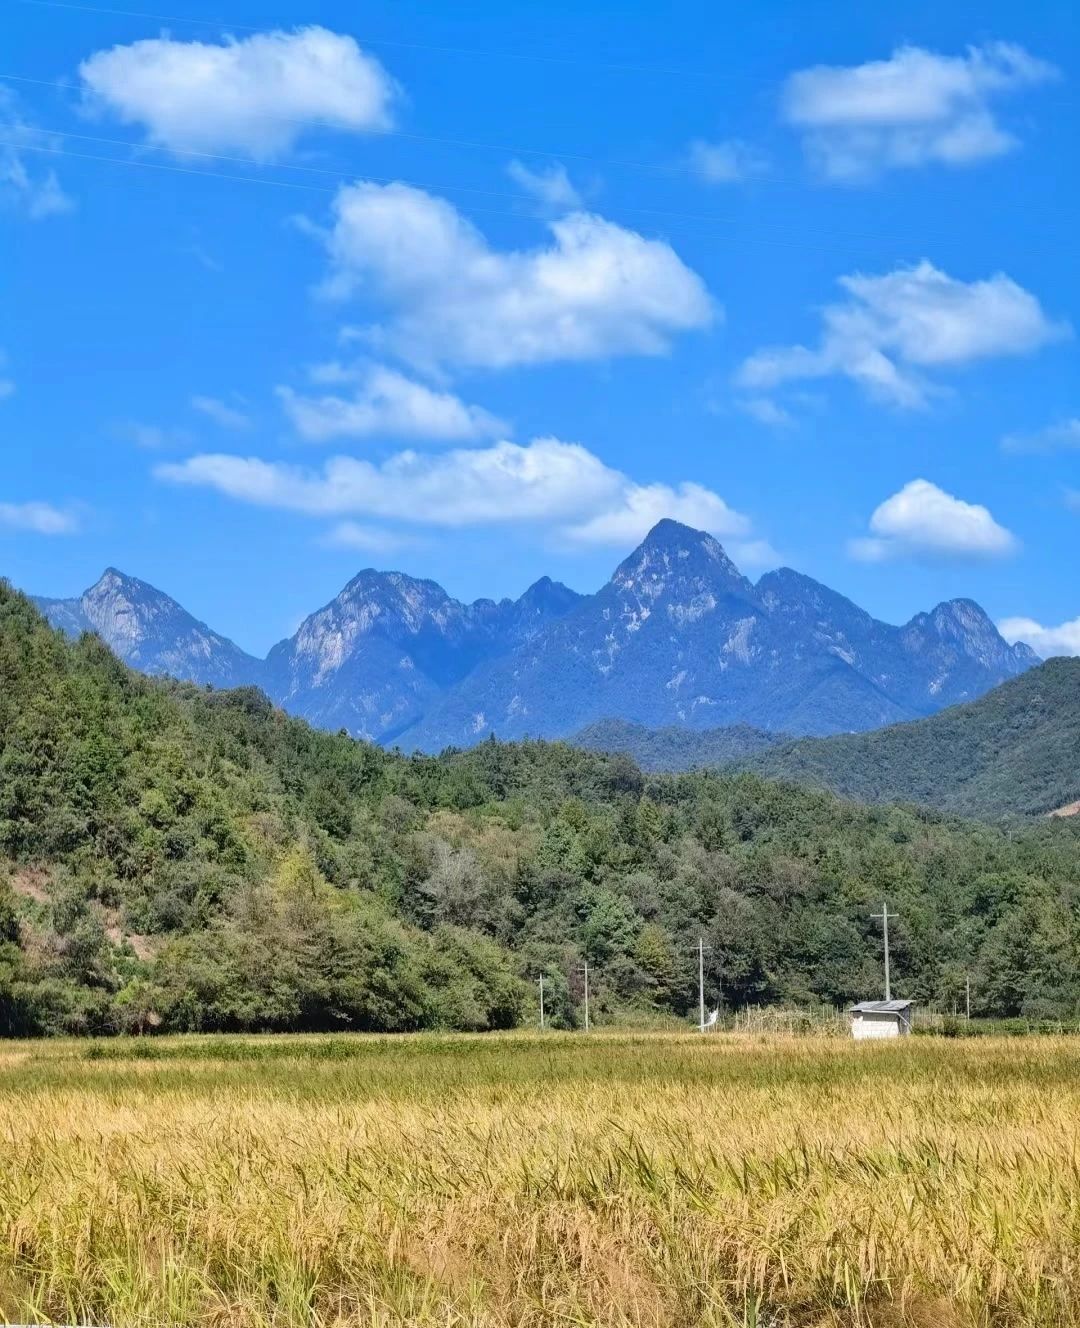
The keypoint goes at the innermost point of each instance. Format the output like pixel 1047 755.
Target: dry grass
pixel 609 1180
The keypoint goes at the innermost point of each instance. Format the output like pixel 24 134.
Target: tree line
pixel 182 859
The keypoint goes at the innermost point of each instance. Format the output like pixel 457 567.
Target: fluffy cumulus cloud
pixel 923 521
pixel 37 519
pixel 595 290
pixel 1061 437
pixel 894 329
pixel 560 485
pixel 25 185
pixel 382 402
pixel 549 185
pixel 1045 641
pixel 256 95
pixel 915 108
pixel 725 162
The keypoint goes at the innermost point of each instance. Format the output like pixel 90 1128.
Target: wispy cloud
pixel 228 417
pixel 1063 436
pixel 896 328
pixel 385 403
pixel 726 161
pixel 32 190
pixel 559 486
pixel 549 185
pixel 913 109
pixel 367 539
pixel 151 437
pixel 38 518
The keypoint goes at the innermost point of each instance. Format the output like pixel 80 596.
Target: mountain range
pixel 677 637
pixel 1016 750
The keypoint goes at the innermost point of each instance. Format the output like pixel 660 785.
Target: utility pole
pixel 701 982
pixel 541 1001
pixel 586 995
pixel 967 994
pixel 885 915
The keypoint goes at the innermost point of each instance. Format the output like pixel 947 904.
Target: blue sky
pixel 481 295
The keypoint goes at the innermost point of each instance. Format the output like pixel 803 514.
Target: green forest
pixel 1015 750
pixel 175 858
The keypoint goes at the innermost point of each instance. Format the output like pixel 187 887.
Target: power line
pixel 674 221
pixel 387 41
pixel 511 149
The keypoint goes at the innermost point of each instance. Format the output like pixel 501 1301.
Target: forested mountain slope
pixel 678 637
pixel 180 858
pixel 1015 750
pixel 673 749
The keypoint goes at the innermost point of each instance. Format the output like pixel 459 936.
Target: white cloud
pixel 641 506
pixel 895 326
pixel 221 413
pixel 388 404
pixel 1045 641
pixel 914 108
pixel 34 193
pixel 256 95
pixel 725 162
pixel 597 290
pixel 550 186
pixel 922 521
pixel 767 411
pixel 151 437
pixel 37 519
pixel 1061 437
pixel 366 539
pixel 562 485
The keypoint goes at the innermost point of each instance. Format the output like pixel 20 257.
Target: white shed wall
pixel 875 1026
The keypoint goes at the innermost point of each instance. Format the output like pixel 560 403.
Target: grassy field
pixel 613 1179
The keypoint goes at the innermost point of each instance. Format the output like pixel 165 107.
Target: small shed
pixel 881 1019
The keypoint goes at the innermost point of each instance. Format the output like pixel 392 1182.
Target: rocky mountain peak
pixel 677 636
pixel 671 552
pixel 152 632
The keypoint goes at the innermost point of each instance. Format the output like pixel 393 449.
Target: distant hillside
pixel 177 857
pixel 676 749
pixel 1015 750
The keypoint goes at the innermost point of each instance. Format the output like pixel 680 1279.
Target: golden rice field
pixel 608 1179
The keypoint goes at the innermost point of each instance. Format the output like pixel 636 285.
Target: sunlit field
pixel 610 1179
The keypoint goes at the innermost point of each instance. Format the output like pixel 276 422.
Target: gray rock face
pixel 678 636
pixel 377 657
pixel 152 633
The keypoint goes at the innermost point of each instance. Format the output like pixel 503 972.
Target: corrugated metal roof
pixel 882 1007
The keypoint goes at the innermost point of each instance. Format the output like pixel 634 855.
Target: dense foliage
pixel 181 858
pixel 1015 750
pixel 672 749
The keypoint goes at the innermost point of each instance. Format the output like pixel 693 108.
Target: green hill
pixel 672 749
pixel 173 857
pixel 1015 750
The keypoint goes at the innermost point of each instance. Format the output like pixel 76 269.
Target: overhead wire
pixel 672 218
pixel 383 41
